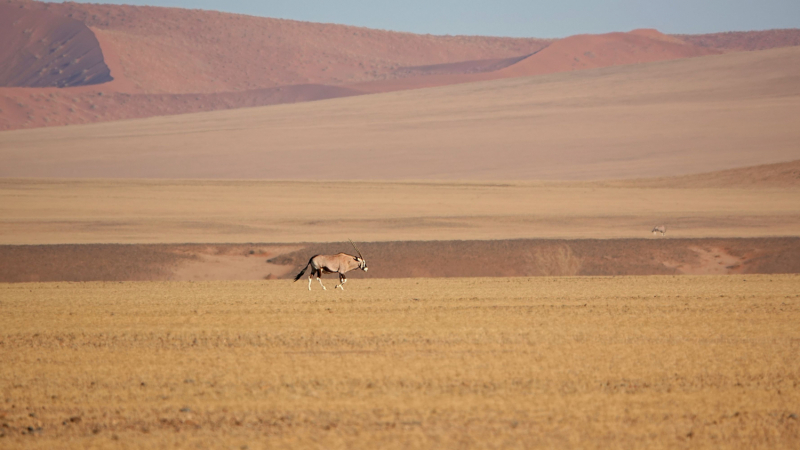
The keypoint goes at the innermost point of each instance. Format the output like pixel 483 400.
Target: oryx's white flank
pixel 659 229
pixel 338 263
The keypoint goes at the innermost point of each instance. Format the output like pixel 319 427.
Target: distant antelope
pixel 338 263
pixel 659 229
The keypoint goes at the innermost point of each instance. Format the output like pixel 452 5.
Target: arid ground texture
pixel 576 362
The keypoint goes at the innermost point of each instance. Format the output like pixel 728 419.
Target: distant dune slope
pixel 745 40
pixel 52 107
pixel 41 49
pixel 612 49
pixel 655 119
pixel 780 175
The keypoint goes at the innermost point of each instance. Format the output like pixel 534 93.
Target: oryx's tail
pixel 303 271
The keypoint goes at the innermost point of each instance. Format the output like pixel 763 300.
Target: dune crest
pixel 612 49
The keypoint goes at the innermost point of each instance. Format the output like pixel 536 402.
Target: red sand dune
pixel 192 51
pixel 41 49
pixel 173 61
pixel 564 55
pixel 191 60
pixel 612 49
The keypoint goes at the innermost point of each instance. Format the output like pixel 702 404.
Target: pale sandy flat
pixel 656 119
pixel 169 211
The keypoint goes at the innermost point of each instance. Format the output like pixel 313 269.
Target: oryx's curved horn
pixel 354 246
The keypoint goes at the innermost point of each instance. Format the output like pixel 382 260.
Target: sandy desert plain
pixel 516 297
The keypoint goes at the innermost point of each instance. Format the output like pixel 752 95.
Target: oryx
pixel 338 263
pixel 659 229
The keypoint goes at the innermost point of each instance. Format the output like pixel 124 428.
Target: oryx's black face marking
pixel 362 263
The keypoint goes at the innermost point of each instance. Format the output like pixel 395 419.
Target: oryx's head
pixel 362 263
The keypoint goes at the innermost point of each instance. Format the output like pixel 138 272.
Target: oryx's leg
pixel 309 279
pixel 319 278
pixel 342 281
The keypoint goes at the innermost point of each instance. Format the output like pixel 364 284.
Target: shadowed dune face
pixel 41 49
pixel 463 67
